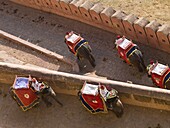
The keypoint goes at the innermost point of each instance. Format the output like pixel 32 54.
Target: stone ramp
pixel 8 41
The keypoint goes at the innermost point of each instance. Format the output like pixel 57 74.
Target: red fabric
pixel 156 78
pixel 122 53
pixel 94 102
pixel 26 96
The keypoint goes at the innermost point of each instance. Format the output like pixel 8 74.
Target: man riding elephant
pixel 130 53
pixel 43 91
pixel 79 47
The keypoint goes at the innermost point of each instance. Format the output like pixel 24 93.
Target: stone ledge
pixel 67 83
pixel 20 41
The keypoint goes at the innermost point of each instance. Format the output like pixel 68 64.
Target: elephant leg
pixel 142 61
pixel 136 61
pixel 45 99
pixel 84 52
pixel 118 108
pixel 92 60
pixel 167 84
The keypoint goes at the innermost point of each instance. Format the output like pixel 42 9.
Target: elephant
pixel 85 52
pixel 136 59
pixel 47 92
pixel 130 53
pixel 79 47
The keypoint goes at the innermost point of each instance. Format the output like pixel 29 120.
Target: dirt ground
pixel 150 9
pixel 49 33
pixel 74 115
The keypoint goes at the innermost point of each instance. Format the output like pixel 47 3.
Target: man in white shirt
pixel 36 85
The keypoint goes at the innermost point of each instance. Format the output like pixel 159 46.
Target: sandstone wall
pixel 71 83
pixel 95 14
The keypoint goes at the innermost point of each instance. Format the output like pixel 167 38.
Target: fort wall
pixel 116 21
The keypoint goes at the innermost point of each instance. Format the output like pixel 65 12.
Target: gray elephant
pixel 79 47
pixel 130 53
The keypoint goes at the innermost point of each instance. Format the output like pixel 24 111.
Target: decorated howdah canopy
pixel 23 94
pixel 91 100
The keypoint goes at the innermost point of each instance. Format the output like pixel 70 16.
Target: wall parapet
pixel 150 33
pixel 67 83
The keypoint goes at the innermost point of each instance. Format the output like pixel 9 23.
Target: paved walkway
pixel 74 115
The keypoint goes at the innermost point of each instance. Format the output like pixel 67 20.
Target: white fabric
pixel 21 83
pixel 90 89
pixel 160 69
pixel 36 85
pixel 125 43
pixel 104 93
pixel 73 38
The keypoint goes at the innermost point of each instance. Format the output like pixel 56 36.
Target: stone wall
pixel 116 21
pixel 67 83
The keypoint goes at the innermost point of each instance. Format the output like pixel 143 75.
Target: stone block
pixel 19 1
pixel 106 16
pixel 95 12
pixel 25 3
pixel 39 3
pixel 116 19
pixel 159 101
pixel 151 30
pixel 142 98
pixel 65 6
pixel 31 3
pixel 56 6
pixel 128 26
pixel 139 26
pixel 74 6
pixel 84 9
pixel 16 1
pixel 47 3
pixel 125 95
pixel 162 34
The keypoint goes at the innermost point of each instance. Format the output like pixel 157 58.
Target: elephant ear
pixel 114 92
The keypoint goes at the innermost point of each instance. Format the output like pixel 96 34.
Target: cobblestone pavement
pixel 48 30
